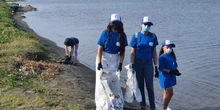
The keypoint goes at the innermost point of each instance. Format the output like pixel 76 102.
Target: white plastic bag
pixel 111 85
pixel 137 92
pixel 108 94
pixel 132 89
pixel 100 95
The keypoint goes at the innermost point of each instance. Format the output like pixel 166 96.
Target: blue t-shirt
pixel 144 45
pixel 14 7
pixel 110 44
pixel 74 41
pixel 167 62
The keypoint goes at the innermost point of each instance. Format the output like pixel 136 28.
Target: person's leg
pixel 148 76
pixel 140 79
pixel 76 53
pixel 167 95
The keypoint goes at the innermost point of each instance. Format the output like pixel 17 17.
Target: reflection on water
pixel 193 25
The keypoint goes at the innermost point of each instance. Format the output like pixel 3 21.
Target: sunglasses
pixel 148 24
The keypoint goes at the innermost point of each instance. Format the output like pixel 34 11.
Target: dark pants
pixel 144 72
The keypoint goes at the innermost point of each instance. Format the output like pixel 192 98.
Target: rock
pixel 29 8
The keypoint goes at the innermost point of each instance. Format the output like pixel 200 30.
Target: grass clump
pixel 9 80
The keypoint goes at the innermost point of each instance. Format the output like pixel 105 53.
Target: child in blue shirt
pixel 167 71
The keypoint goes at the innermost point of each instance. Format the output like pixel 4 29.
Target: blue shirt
pixel 110 44
pixel 74 41
pixel 167 62
pixel 14 7
pixel 144 45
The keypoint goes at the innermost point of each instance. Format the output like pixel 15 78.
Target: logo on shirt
pixel 117 44
pixel 151 43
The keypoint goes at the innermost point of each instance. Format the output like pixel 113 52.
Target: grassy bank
pixel 22 77
pixel 15 42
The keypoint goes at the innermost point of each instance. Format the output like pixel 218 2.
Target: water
pixel 193 25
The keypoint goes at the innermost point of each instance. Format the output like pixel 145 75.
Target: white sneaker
pixel 168 108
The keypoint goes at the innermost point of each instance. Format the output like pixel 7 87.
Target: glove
pixel 120 66
pixel 156 75
pixel 132 65
pixel 99 66
pixel 69 58
pixel 175 72
pixel 66 59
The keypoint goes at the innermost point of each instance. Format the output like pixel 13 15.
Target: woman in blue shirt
pixel 143 51
pixel 167 71
pixel 110 56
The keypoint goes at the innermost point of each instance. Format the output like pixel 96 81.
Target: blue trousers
pixel 144 73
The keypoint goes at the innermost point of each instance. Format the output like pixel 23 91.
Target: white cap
pixel 115 17
pixel 146 19
pixel 168 42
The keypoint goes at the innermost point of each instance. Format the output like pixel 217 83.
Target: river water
pixel 193 25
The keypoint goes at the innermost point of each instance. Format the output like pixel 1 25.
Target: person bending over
pixel 14 8
pixel 73 43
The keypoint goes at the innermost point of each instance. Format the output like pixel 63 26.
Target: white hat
pixel 146 19
pixel 115 17
pixel 168 42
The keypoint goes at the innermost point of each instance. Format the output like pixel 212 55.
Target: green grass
pixel 16 42
pixel 17 90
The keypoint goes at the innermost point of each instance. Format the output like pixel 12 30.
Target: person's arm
pixel 122 58
pixel 100 50
pixel 155 56
pixel 156 75
pixel 132 55
pixel 66 51
pixel 174 72
pixel 165 70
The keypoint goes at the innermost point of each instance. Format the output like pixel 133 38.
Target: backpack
pixel 136 37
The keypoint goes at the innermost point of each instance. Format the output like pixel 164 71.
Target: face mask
pixel 168 51
pixel 116 26
pixel 145 28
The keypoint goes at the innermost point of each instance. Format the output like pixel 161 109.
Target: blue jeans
pixel 144 71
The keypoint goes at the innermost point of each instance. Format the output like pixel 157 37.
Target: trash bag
pixel 65 61
pixel 111 85
pixel 132 89
pixel 108 93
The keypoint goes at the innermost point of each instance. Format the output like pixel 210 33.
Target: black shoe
pixel 143 108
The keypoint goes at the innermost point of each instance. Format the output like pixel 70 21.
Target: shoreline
pixel 82 73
